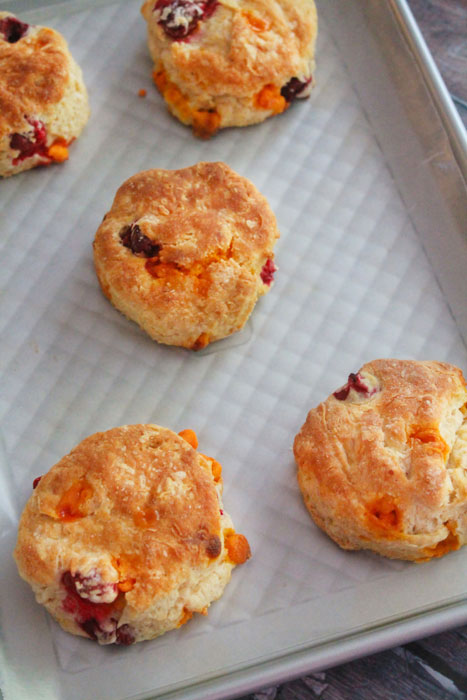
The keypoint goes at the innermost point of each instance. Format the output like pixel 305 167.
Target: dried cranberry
pixel 102 632
pixel 356 383
pixel 12 29
pixel 68 583
pixel 96 619
pixel 178 18
pixel 90 587
pixel 267 273
pixel 213 547
pixel 91 627
pixel 293 88
pixel 31 143
pixel 139 244
pixel 36 481
pixel 125 636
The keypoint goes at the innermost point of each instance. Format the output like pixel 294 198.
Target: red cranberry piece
pixel 68 583
pixel 96 619
pixel 104 633
pixel 267 273
pixel 13 29
pixel 293 88
pixel 30 144
pixel 36 481
pixel 125 636
pixel 91 587
pixel 91 627
pixel 213 547
pixel 178 18
pixel 139 244
pixel 356 383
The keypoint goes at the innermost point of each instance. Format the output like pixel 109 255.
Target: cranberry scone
pixel 187 253
pixel 220 63
pixel 126 537
pixel 43 99
pixel 382 463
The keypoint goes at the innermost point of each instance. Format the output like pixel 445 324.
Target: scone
pixel 186 253
pixel 126 537
pixel 221 63
pixel 43 100
pixel 382 463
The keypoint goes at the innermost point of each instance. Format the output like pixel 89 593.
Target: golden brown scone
pixel 186 253
pixel 43 100
pixel 126 537
pixel 224 63
pixel 382 463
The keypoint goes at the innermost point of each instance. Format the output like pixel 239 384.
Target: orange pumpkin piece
pixel 205 123
pixel 190 437
pixel 127 585
pixel 216 469
pixel 237 547
pixel 450 544
pixel 256 23
pixel 146 518
pixel 431 437
pixel 160 79
pixel 386 512
pixel 58 152
pixel 201 342
pixel 71 504
pixel 187 615
pixel 270 98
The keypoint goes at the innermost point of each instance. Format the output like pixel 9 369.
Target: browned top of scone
pixel 244 44
pixel 206 210
pixel 207 231
pixel 33 75
pixel 386 450
pixel 134 502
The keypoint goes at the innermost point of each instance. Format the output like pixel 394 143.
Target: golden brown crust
pixel 386 469
pixel 33 75
pixel 151 508
pixel 213 231
pixel 40 84
pixel 226 62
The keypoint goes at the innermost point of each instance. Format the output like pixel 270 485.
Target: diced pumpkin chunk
pixel 270 98
pixel 237 547
pixel 386 512
pixel 71 504
pixel 58 152
pixel 190 437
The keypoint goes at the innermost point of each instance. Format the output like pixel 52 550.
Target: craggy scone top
pixel 382 463
pixel 125 537
pixel 43 101
pixel 186 253
pixel 231 62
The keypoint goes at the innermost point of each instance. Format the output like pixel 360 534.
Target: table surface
pixel 433 668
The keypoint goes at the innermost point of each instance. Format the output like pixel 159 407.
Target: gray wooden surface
pixel 433 668
pixel 444 26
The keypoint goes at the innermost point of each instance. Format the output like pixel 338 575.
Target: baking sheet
pixel 355 283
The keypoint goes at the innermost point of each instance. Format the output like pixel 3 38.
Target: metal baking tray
pixel 367 179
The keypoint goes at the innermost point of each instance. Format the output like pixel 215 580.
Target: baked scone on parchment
pixel 43 100
pixel 126 537
pixel 220 63
pixel 382 463
pixel 187 253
